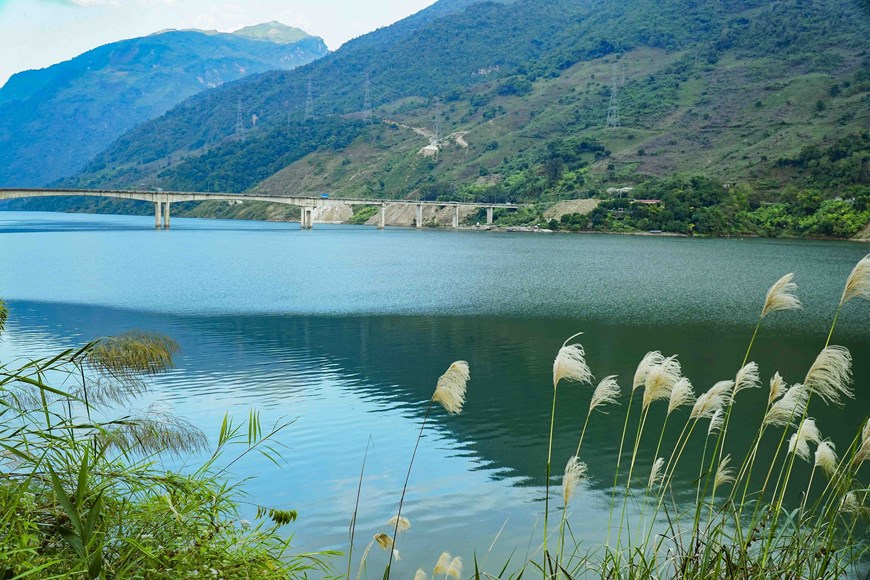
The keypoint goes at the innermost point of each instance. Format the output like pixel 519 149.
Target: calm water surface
pixel 344 330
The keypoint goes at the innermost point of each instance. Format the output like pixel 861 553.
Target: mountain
pixel 54 120
pixel 740 115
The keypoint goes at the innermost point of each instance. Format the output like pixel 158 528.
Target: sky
pixel 39 33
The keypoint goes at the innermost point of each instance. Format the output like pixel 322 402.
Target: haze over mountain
pixel 762 95
pixel 53 120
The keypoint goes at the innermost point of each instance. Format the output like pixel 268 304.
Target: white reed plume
pixel 451 387
pixel 660 380
pixel 777 388
pixel 830 375
pixel 789 408
pixel 455 568
pixel 799 442
pixel 826 457
pixel 808 431
pixel 747 378
pixel 681 394
pixel 850 503
pixel 716 422
pixel 606 392
pixel 858 283
pixel 404 523
pixel 656 475
pixel 648 361
pixel 570 364
pixel 724 474
pixel 443 564
pixel 421 575
pixel 863 453
pixel 707 403
pixel 798 447
pixel 575 471
pixel 781 296
pixel 384 541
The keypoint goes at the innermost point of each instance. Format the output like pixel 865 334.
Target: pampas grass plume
pixel 384 541
pixel 575 471
pixel 455 568
pixel 788 408
pixel 777 388
pixel 708 402
pixel 648 361
pixel 404 523
pixel 724 474
pixel 655 475
pixel 606 392
pixel 451 386
pixel 781 296
pixel 747 378
pixel 830 375
pixel 716 422
pixel 807 433
pixel 681 394
pixel 826 457
pixel 863 453
pixel 798 447
pixel 850 503
pixel 660 380
pixel 443 564
pixel 421 575
pixel 858 282
pixel 570 364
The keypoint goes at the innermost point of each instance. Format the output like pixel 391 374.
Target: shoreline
pixel 481 228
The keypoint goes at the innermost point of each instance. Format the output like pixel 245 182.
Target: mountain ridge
pixel 54 120
pixel 732 91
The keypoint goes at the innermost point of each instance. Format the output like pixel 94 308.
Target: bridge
pixel 163 199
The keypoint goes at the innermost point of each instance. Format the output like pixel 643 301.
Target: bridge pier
pixel 419 215
pixel 307 221
pixel 455 216
pixel 489 215
pixel 382 218
pixel 157 215
pixel 166 215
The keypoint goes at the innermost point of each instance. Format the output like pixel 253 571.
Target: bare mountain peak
pixel 274 32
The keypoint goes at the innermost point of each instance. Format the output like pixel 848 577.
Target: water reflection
pixel 346 379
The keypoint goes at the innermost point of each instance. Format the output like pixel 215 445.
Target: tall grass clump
pixel 732 527
pixel 82 491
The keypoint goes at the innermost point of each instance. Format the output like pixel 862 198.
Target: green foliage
pixel 703 206
pixel 241 164
pixel 363 213
pixel 843 163
pixel 82 497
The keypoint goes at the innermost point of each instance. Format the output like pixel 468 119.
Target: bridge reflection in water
pixel 163 199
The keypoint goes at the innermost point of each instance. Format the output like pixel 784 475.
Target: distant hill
pixel 767 101
pixel 53 120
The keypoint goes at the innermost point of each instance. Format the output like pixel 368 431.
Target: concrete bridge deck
pixel 163 199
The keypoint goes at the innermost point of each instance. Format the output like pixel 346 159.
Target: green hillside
pixel 768 103
pixel 54 120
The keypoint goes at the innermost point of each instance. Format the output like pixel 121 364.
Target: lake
pixel 344 330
